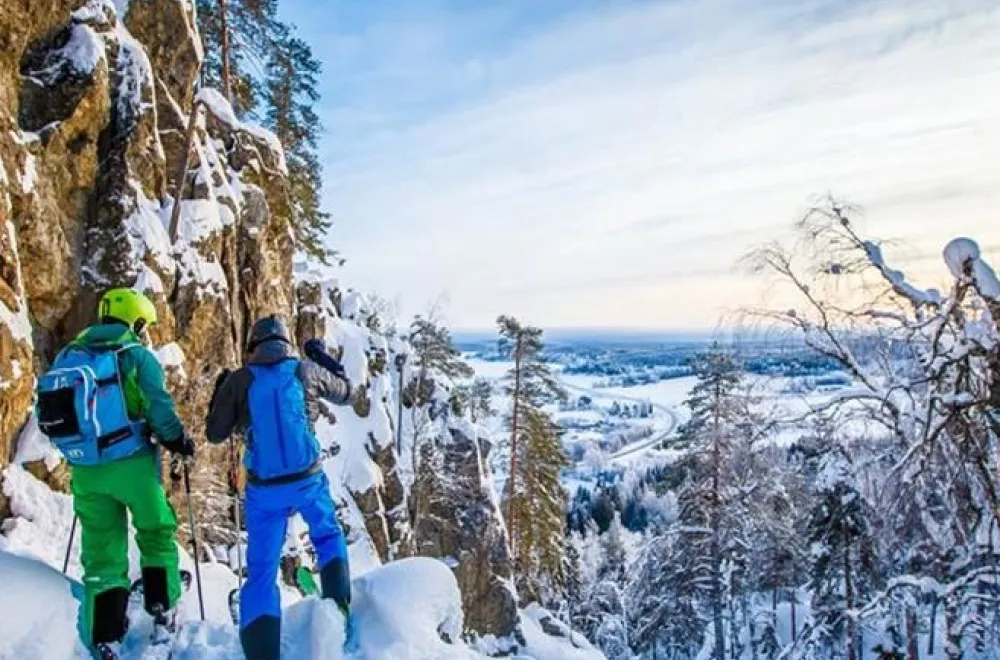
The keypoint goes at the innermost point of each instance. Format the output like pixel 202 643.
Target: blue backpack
pixel 81 407
pixel 280 441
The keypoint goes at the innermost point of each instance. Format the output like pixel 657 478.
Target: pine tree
pixel 538 501
pixel 435 350
pixel 237 35
pixel 574 587
pixel 529 384
pixel 481 399
pixel 843 557
pixel 292 75
pixel 613 547
pixel 711 436
pixel 270 74
pixel 436 363
pixel 664 594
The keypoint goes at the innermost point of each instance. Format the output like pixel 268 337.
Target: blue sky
pixel 598 163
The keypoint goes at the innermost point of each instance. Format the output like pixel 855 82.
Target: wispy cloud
pixel 604 163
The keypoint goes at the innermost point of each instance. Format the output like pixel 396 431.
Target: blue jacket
pixel 275 402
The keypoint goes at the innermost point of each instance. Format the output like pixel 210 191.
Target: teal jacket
pixel 146 395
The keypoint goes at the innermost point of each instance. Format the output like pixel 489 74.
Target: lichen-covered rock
pixel 458 518
pixel 16 361
pixel 169 33
pixel 64 108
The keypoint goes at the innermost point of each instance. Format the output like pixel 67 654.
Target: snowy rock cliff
pixel 89 141
pixel 94 109
pixel 458 517
pixel 100 186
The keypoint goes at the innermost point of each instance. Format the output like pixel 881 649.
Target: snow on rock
pixel 406 607
pixel 563 645
pixel 171 356
pixel 206 274
pixel 84 50
pixel 29 176
pixel 200 219
pixel 148 281
pixel 220 108
pixel 313 272
pixel 38 612
pixel 136 75
pixel 17 321
pixel 95 12
pixel 146 232
pixel 41 523
pixel 33 445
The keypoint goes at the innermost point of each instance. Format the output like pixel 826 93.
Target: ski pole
pixel 194 539
pixel 69 546
pixel 234 487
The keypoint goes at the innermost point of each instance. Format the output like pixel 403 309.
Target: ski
pixel 159 644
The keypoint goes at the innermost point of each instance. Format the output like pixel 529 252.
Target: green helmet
pixel 128 306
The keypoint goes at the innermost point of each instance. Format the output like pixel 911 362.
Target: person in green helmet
pixel 115 468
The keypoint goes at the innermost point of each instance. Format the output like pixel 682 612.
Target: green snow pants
pixel 103 495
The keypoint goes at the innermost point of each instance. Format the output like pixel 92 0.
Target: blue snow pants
pixel 268 509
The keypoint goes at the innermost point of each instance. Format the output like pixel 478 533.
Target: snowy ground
pixel 403 609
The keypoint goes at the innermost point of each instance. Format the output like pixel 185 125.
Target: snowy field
pixel 667 393
pixel 779 397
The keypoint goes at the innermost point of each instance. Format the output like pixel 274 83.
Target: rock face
pixel 93 110
pixel 366 466
pixel 457 518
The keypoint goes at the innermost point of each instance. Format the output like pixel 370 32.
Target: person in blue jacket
pixel 275 401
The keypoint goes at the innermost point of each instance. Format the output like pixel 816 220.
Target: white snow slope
pixel 404 610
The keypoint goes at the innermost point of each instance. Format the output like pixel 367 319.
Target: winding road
pixel 636 447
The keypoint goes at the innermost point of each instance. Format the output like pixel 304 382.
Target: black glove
pixel 182 446
pixel 314 347
pixel 316 351
pixel 223 375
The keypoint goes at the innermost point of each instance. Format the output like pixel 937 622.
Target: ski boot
pixel 108 651
pixel 164 625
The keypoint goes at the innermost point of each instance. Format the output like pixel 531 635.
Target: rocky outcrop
pixel 93 109
pixel 366 464
pixel 457 518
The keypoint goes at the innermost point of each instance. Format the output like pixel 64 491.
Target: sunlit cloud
pixel 605 163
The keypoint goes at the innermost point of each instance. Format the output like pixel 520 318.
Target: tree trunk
pixel 227 85
pixel 795 597
pixel 933 630
pixel 182 169
pixel 512 477
pixel 400 364
pixel 720 634
pixel 852 647
pixel 912 646
pixel 953 625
